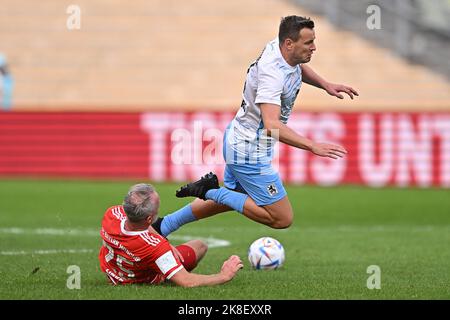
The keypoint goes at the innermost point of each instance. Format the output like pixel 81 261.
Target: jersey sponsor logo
pixel 117 243
pixel 272 189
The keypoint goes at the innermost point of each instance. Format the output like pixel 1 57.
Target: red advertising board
pixel 397 149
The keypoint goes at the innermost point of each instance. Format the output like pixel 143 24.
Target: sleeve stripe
pixel 174 271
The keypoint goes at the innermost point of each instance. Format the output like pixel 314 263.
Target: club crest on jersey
pixel 272 189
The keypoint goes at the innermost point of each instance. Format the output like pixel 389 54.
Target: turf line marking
pixel 210 241
pixel 51 231
pixel 52 251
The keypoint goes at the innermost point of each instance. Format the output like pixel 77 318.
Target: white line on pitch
pixel 211 242
pixel 21 252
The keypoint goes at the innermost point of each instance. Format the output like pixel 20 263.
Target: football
pixel 266 253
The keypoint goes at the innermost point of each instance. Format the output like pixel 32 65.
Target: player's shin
pixel 232 199
pixel 175 220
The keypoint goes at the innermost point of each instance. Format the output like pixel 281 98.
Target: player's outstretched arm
pixel 312 78
pixel 278 130
pixel 229 269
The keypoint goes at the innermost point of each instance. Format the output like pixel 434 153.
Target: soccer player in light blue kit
pixel 252 186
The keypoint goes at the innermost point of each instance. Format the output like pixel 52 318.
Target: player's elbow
pixel 269 125
pixel 184 279
pixel 272 128
pixel 187 284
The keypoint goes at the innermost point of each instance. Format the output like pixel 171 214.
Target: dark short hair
pixel 290 27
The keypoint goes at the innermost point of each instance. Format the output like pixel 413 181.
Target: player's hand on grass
pixel 328 150
pixel 335 90
pixel 231 267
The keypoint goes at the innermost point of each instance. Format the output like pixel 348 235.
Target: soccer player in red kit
pixel 133 252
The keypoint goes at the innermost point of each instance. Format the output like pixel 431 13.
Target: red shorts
pixel 190 260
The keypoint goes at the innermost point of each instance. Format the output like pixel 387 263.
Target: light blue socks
pixel 233 199
pixel 173 221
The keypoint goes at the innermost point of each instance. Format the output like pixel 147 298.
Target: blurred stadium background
pixel 106 99
pixel 131 74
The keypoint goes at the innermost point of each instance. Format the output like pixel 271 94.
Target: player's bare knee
pixel 282 224
pixel 201 248
pixel 287 223
pixel 281 221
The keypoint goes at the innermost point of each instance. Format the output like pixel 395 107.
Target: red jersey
pixel 134 256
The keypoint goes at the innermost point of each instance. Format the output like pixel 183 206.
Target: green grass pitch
pixel 338 232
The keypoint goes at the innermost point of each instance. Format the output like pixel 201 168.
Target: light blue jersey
pixel 270 79
pixel 248 151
